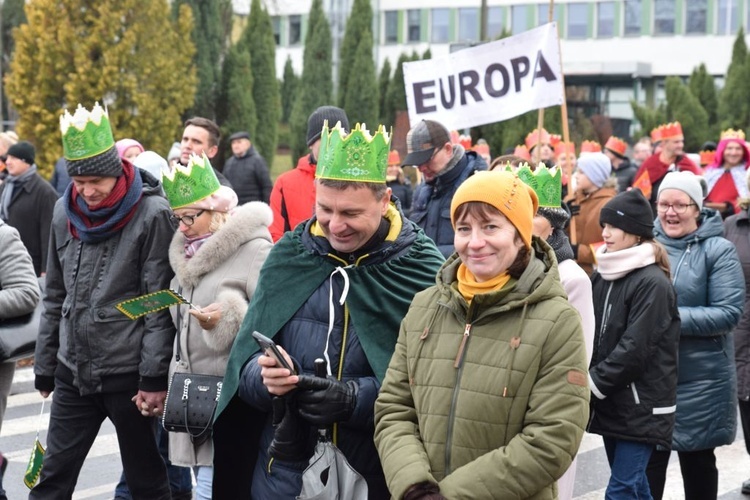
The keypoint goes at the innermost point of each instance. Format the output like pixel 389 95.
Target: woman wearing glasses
pixel 708 279
pixel 216 254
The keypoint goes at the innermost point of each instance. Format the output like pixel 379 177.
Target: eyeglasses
pixel 679 208
pixel 188 220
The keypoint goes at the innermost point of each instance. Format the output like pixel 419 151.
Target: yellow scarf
pixel 469 286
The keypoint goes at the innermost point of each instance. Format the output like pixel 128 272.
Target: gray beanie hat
pixel 687 182
pixel 106 164
pixel 595 166
pixel 319 116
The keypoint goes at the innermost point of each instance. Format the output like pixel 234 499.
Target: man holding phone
pixel 337 288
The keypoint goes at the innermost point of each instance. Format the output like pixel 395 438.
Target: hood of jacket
pixel 710 224
pixel 247 222
pixel 540 281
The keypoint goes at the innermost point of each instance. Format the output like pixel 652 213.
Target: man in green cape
pixel 335 288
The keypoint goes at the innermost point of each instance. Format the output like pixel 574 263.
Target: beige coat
pixel 225 270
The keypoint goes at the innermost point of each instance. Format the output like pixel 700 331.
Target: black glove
pixel 424 491
pixel 574 209
pixel 323 401
pixel 290 431
pixel 575 250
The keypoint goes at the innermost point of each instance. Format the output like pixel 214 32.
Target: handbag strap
pixel 178 355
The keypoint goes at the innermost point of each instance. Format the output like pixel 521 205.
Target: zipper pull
pixel 459 355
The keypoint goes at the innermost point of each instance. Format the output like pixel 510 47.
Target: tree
pixel 684 107
pixel 316 87
pixel 362 99
pixel 259 40
pixel 289 87
pixel 395 100
pixel 359 22
pixel 124 53
pixel 702 86
pixel 383 82
pixel 648 117
pixel 11 16
pixel 238 88
pixel 734 100
pixel 210 37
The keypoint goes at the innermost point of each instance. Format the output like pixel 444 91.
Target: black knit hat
pixel 106 164
pixel 631 212
pixel 319 116
pixel 23 151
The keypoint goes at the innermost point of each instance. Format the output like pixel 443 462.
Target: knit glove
pixel 323 401
pixel 290 431
pixel 424 491
pixel 574 209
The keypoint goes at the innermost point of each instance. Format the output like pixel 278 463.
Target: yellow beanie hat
pixel 506 192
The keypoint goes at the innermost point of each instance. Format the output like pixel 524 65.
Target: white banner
pixel 488 83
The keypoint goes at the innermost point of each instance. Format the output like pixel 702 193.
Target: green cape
pixel 292 272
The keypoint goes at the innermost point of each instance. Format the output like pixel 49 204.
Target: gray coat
pixel 737 230
pixel 707 277
pixel 225 270
pixel 81 334
pixel 19 290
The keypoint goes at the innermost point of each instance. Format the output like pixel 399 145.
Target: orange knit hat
pixel 506 192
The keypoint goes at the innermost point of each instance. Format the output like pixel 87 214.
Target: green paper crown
pixel 546 184
pixel 187 185
pixel 86 134
pixel 357 157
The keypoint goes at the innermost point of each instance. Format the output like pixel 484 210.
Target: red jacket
pixel 293 198
pixel 657 170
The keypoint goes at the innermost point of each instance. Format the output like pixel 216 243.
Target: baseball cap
pixel 422 141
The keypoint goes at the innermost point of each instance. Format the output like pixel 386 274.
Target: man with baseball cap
pixel 444 167
pixel 247 170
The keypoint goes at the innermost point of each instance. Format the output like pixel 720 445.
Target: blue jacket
pixel 707 276
pixel 431 203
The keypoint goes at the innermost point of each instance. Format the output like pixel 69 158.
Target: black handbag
pixel 191 399
pixel 18 335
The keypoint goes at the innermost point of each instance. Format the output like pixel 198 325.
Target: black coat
pixel 737 230
pixel 30 212
pixel 634 363
pixel 249 177
pixel 402 192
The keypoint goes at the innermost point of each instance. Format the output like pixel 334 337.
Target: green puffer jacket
pixel 503 419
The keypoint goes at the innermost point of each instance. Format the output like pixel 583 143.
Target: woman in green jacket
pixel 486 395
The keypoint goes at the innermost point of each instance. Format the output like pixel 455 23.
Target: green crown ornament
pixel 357 157
pixel 546 183
pixel 184 186
pixel 86 134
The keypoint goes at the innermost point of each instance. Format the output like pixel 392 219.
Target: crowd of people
pixel 453 323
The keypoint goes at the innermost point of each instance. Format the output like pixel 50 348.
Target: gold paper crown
pixel 186 185
pixel 86 134
pixel 591 147
pixel 357 157
pixel 707 157
pixel 546 183
pixel 670 130
pixel 554 140
pixel 565 147
pixel 616 145
pixel 733 134
pixel 522 152
pixel 534 136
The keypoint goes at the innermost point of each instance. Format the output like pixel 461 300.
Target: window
pixel 578 20
pixel 664 17
pixel 728 17
pixel 391 26
pixel 633 17
pixel 605 19
pixel 468 24
pixel 295 30
pixel 494 22
pixel 276 25
pixel 695 16
pixel 440 25
pixel 519 22
pixel 413 22
pixel 542 13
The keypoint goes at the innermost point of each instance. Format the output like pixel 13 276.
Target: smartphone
pixel 270 349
